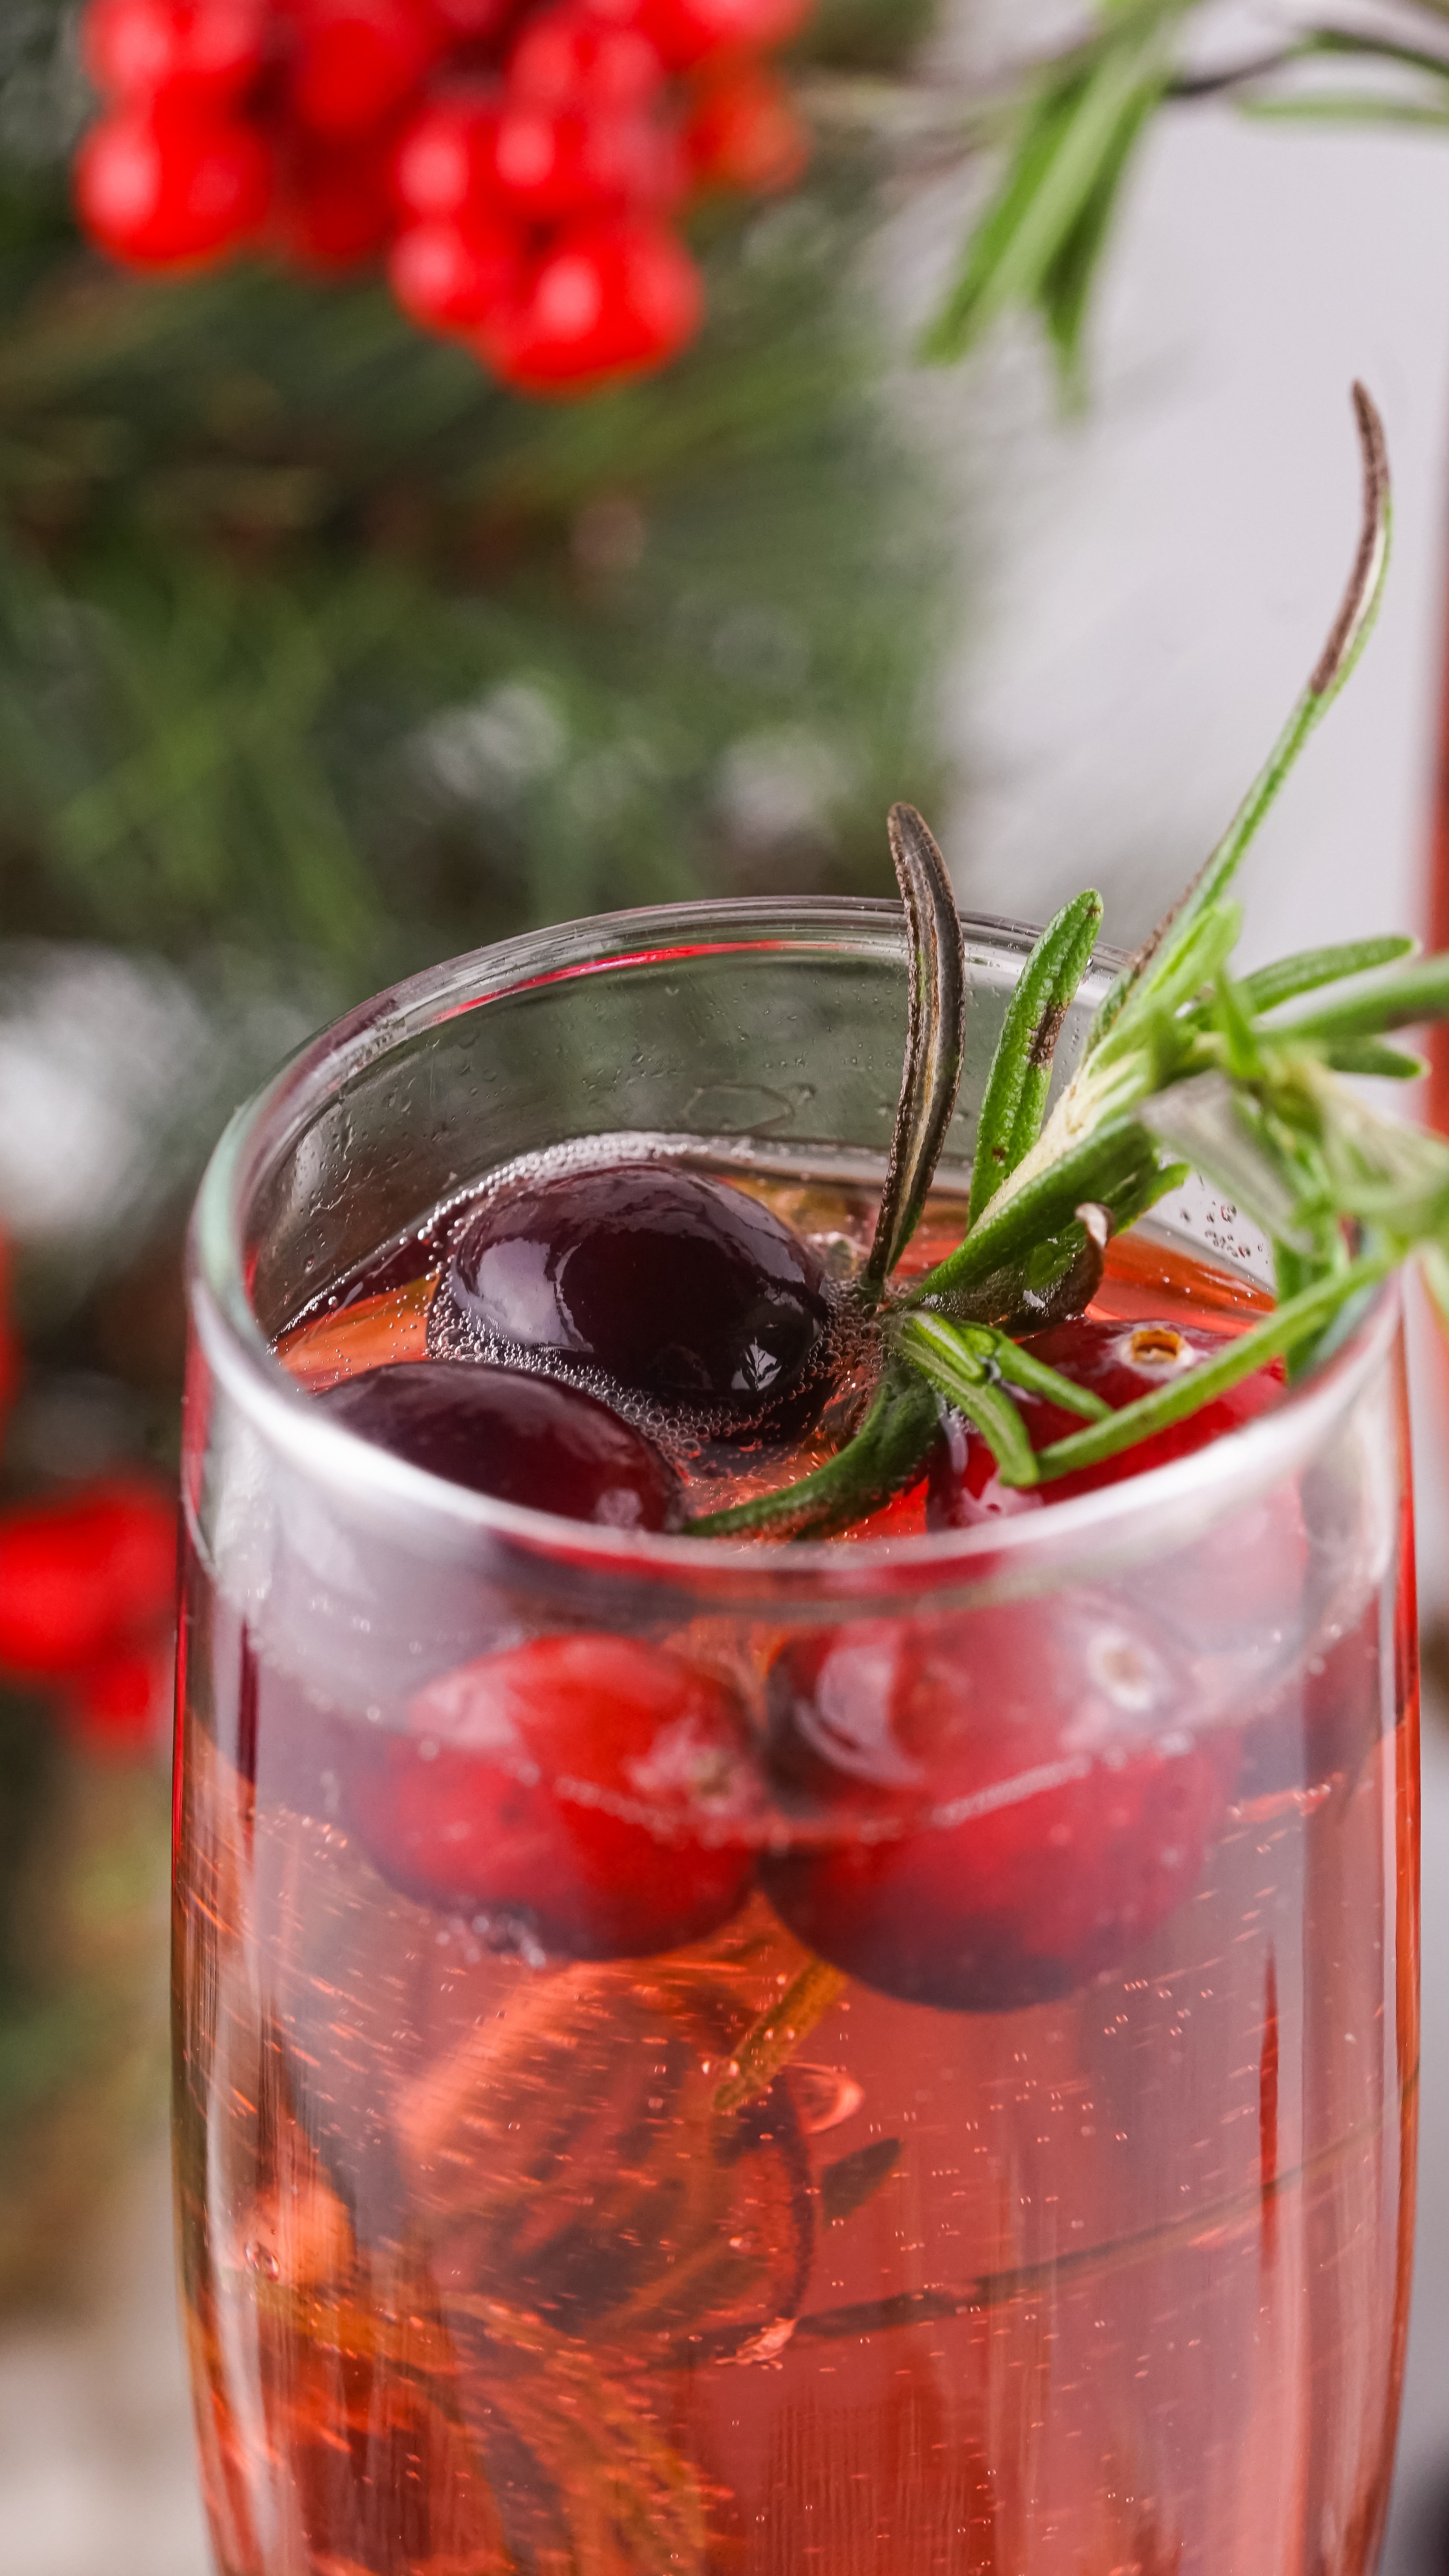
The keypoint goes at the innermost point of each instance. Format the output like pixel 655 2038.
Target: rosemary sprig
pixel 1014 1106
pixel 882 1458
pixel 1186 1067
pixel 1298 1321
pixel 1312 968
pixel 935 1042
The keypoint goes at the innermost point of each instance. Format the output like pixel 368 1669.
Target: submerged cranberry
pixel 673 1285
pixel 600 1792
pixel 1119 1362
pixel 1016 1800
pixel 521 1439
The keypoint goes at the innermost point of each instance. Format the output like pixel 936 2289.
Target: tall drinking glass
pixel 1022 2186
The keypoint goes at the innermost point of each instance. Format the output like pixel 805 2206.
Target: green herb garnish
pixel 1187 1067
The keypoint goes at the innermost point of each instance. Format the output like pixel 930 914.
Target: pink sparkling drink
pixel 694 2155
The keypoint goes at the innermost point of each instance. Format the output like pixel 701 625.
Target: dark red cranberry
pixel 521 1439
pixel 1012 1801
pixel 598 1791
pixel 1119 1362
pixel 670 1284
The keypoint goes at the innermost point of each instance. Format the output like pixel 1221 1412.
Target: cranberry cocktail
pixel 893 2052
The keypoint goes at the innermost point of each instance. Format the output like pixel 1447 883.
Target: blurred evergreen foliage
pixel 313 641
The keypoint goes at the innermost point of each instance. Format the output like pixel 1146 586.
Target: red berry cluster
pixel 87 1591
pixel 518 167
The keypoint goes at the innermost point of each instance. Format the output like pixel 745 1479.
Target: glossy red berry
pixel 161 192
pixel 355 63
pixel 570 56
pixel 1120 1363
pixel 669 1283
pixel 596 1792
pixel 551 164
pixel 334 206
pixel 120 1708
pixel 201 53
pixel 82 1574
pixel 606 302
pixel 455 274
pixel 1001 1807
pixel 443 161
pixel 524 1440
pixel 746 132
pixel 688 32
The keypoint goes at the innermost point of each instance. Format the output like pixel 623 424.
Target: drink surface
pixel 1022 2183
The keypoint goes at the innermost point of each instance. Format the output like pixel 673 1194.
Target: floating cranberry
pixel 1120 1363
pixel 82 1574
pixel 157 191
pixel 1012 1801
pixel 746 132
pixel 672 1284
pixel 601 1792
pixel 688 32
pixel 523 1440
pixel 570 56
pixel 203 52
pixel 354 63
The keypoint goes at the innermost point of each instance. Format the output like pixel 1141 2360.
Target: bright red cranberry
pixel 335 209
pixel 598 1791
pixel 1118 1362
pixel 443 163
pixel 158 192
pixel 746 132
pixel 1015 1799
pixel 82 1574
pixel 570 56
pixel 605 303
pixel 455 274
pixel 550 164
pixel 669 1283
pixel 355 63
pixel 204 53
pixel 523 1440
pixel 120 1708
pixel 688 32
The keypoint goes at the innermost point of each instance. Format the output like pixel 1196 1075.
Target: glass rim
pixel 1249 1460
